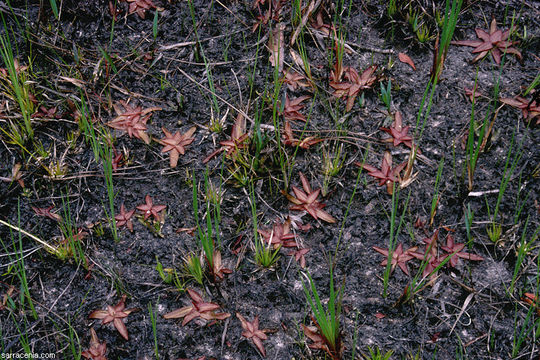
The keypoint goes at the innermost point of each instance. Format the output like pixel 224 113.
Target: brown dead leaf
pixel 297 59
pixel 404 58
pixel 276 46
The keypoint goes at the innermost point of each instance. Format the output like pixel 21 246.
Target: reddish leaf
pixel 280 235
pixel 251 331
pixel 199 308
pixel 529 108
pixel 290 140
pixel 306 200
pixel 175 144
pixel 237 141
pixel 114 314
pixel 97 350
pixel 399 257
pixel 354 84
pixel 404 58
pixel 400 134
pixel 496 42
pixel 123 218
pixel 132 119
pixel 387 175
pixel 149 209
pixel 139 7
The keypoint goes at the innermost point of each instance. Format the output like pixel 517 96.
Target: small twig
pixel 30 252
pixel 216 95
pixel 372 49
pixel 239 89
pixel 465 304
pixel 232 13
pixel 63 291
pixel 224 334
pixel 312 6
pixel 177 45
pixel 482 193
pixel 188 43
pixel 35 238
pixel 490 128
pixel 475 340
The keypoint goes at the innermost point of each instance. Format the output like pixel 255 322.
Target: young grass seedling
pixel 469 215
pixel 529 327
pixel 19 265
pixel 166 274
pixel 208 70
pixel 391 259
pixel 206 234
pixel 327 320
pixel 377 354
pixel 155 27
pixel 391 8
pixel 18 86
pixel 436 197
pixel 450 22
pixel 524 248
pixel 333 161
pixel 277 108
pixel 474 148
pixel 494 230
pixel 265 255
pixel 386 95
pixel 154 325
pixel 193 268
pixel 70 245
pixel 448 27
pixel 74 341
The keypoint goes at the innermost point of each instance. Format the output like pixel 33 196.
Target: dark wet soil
pixel 466 311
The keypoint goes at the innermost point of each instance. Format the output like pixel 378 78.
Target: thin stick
pixel 312 6
pixel 52 248
pixel 216 95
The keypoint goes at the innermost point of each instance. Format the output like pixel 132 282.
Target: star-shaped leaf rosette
pixel 306 200
pixel 238 140
pixel 291 109
pixel 139 7
pixel 529 108
pixel 455 251
pixel 132 119
pixel 496 42
pixel 280 235
pixel 149 209
pixel 176 144
pixel 399 134
pixel 123 218
pixel 115 314
pixel 387 175
pixel 354 84
pixel 251 331
pixel 399 257
pixel 97 349
pixel 198 309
